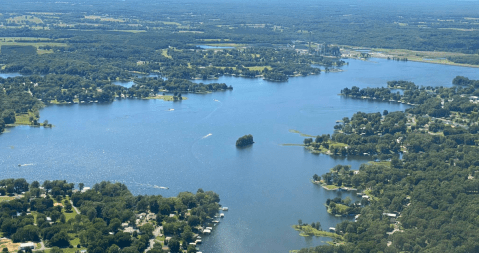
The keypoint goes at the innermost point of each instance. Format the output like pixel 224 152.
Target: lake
pixel 266 186
pixel 7 75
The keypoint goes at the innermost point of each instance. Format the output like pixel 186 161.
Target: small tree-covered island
pixel 244 141
pixel 56 217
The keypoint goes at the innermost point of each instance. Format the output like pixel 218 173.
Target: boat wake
pixel 28 164
pixel 206 136
pixel 144 186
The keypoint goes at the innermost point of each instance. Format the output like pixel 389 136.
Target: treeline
pixel 175 85
pixel 17 50
pixel 466 59
pixel 41 211
pixel 461 80
pixel 104 59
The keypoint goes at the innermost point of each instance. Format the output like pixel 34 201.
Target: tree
pixel 68 207
pixel 191 249
pixel 62 218
pixel 56 250
pixel 385 112
pixel 154 206
pixel 142 205
pixel 130 249
pixel 115 225
pixel 114 249
pixel 20 185
pixel 8 116
pixel 174 245
pixel 27 233
pixel 10 189
pixel 80 186
pixel 60 240
pixel 193 220
pixel 35 184
pixel 300 222
pixel 147 229
pixel 187 234
pixel 55 215
pixel 347 200
pixel 308 141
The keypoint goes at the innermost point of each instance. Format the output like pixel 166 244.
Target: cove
pixel 266 186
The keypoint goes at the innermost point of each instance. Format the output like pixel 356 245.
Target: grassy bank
pixel 165 98
pixel 418 56
pixel 307 230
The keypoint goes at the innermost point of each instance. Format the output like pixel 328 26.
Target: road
pixel 74 207
pixel 156 233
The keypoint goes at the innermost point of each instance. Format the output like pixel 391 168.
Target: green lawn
pixel 260 68
pixel 6 199
pixel 331 186
pixel 24 119
pixel 164 52
pixel 310 231
pixel 68 215
pixel 165 98
pixel 341 208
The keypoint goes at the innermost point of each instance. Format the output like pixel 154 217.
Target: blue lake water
pixel 7 75
pixel 266 186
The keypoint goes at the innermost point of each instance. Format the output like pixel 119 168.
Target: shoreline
pixel 307 230
pixel 333 187
pixel 411 55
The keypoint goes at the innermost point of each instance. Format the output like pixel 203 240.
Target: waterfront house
pixel 26 246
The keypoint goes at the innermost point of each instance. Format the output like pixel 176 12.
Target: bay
pixel 266 186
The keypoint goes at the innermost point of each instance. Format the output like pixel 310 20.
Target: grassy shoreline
pixel 307 230
pixel 411 55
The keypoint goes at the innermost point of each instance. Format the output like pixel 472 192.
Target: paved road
pixel 156 233
pixel 43 246
pixel 76 209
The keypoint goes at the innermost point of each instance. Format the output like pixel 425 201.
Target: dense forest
pixel 105 218
pixel 424 201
